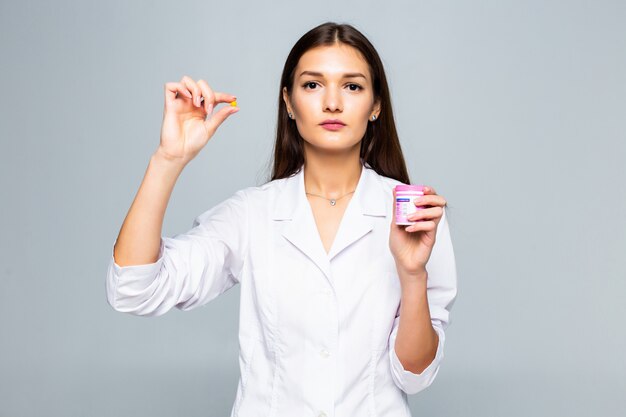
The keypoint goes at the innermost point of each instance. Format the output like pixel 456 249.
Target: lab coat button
pixel 322 414
pixel 324 353
pixel 327 292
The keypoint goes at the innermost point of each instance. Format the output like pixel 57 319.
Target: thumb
pixel 215 120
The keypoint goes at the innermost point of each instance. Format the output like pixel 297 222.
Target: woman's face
pixel 332 82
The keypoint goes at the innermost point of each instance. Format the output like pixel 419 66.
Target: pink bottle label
pixel 405 194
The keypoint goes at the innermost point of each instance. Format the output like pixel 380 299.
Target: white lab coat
pixel 317 330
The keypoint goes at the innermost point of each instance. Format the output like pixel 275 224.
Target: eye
pixel 358 87
pixel 305 85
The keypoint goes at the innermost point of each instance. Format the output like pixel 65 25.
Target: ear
pixel 286 99
pixel 376 108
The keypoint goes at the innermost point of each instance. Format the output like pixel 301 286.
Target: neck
pixel 331 176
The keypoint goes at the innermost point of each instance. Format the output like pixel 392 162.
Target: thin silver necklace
pixel 333 201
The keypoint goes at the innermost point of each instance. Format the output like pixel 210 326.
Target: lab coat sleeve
pixel 192 268
pixel 441 292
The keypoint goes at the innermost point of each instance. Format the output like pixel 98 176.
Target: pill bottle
pixel 405 194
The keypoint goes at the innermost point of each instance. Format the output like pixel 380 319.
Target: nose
pixel 332 100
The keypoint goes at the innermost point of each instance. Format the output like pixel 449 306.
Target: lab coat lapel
pixel 367 201
pixel 293 212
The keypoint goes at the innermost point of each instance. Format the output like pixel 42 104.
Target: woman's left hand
pixel 411 246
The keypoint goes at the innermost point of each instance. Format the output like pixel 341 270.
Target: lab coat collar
pixel 369 195
pixel 293 211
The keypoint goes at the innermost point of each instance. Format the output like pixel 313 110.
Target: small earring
pixel 290 115
pixel 373 117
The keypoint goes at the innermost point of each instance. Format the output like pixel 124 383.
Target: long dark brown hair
pixel 380 146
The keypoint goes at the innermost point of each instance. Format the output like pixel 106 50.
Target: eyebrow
pixel 346 75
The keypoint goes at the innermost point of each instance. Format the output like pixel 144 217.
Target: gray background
pixel 514 111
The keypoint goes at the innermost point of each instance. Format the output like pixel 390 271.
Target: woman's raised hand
pixel 185 128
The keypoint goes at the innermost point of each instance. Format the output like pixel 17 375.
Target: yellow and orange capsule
pixel 233 103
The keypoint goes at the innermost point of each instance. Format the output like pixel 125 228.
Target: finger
pixel 213 98
pixel 430 200
pixel 173 88
pixel 224 97
pixel 216 120
pixel 425 226
pixel 429 190
pixel 433 213
pixel 195 90
pixel 209 96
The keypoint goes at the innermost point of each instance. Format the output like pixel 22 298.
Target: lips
pixel 333 122
pixel 332 126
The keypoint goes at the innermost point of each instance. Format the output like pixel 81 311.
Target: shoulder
pixel 386 183
pixel 263 192
pixel 253 199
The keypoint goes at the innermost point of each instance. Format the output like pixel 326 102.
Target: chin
pixel 333 146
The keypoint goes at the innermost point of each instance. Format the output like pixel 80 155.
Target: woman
pixel 342 312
